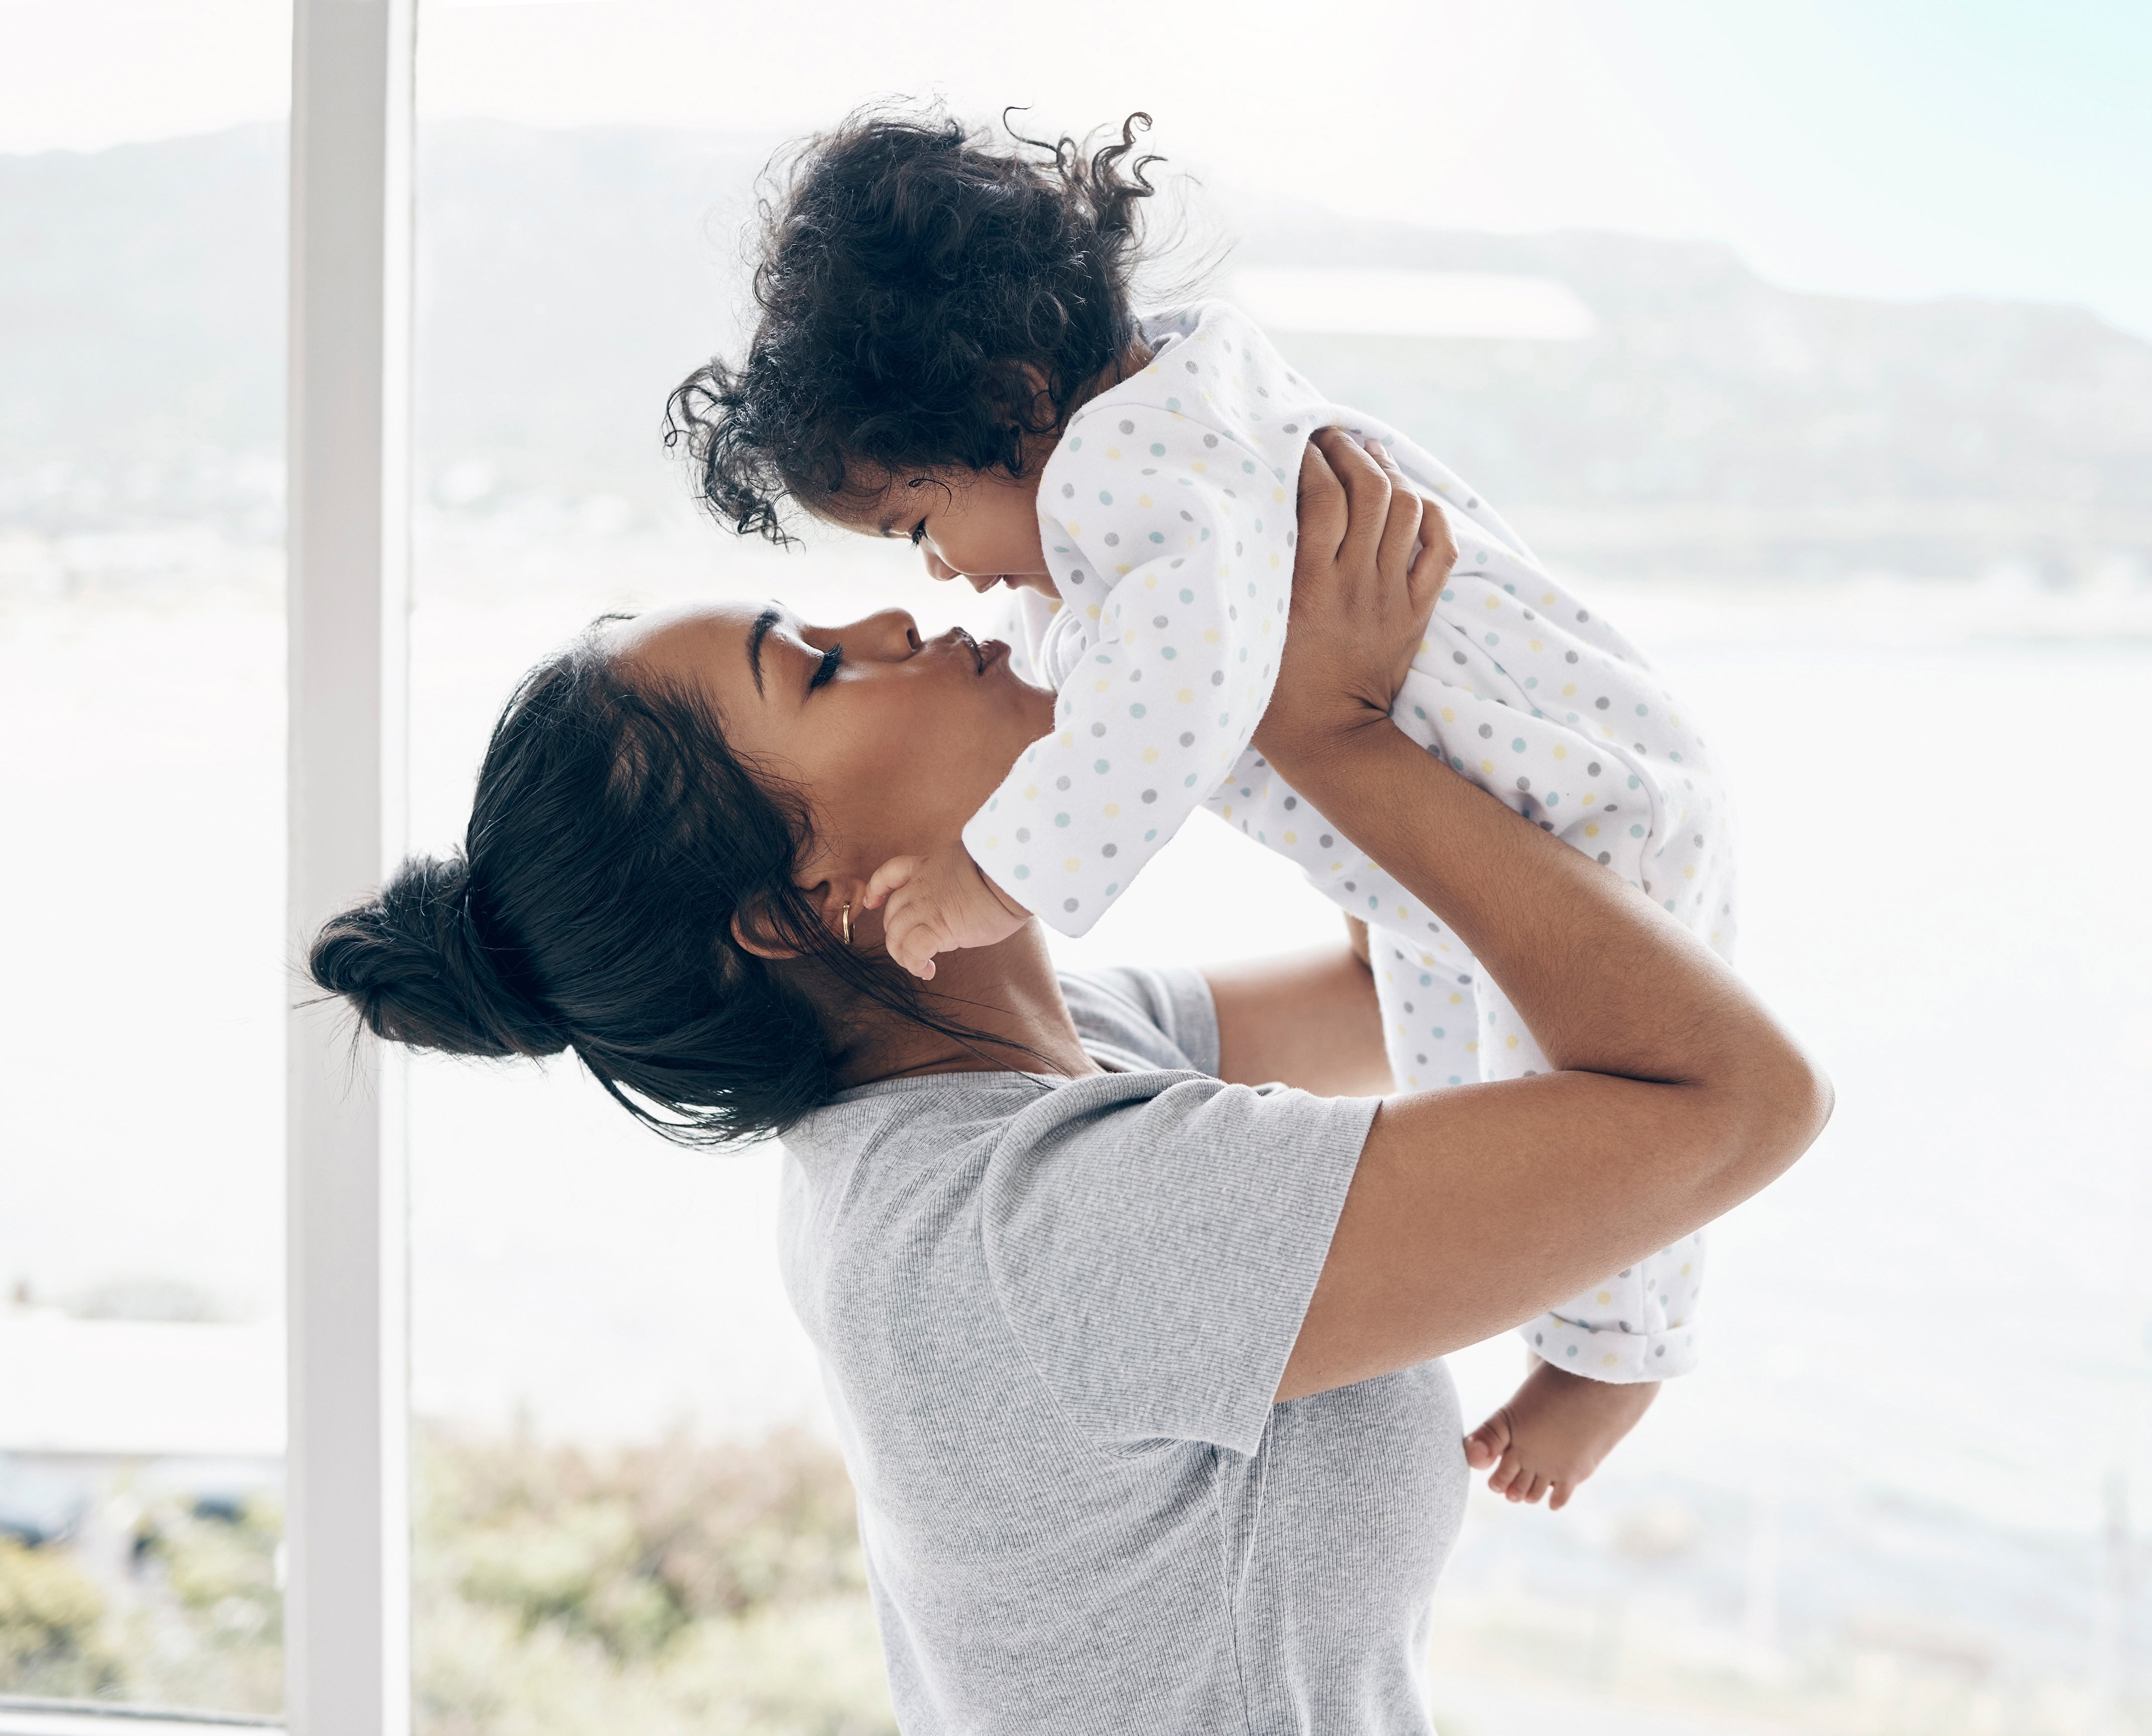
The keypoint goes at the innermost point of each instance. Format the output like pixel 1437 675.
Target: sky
pixel 1899 148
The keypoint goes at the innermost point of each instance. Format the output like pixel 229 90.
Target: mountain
pixel 1709 421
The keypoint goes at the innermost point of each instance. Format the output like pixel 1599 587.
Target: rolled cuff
pixel 1610 1355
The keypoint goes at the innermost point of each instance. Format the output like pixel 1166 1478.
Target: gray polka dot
pixel 1060 783
pixel 1290 802
pixel 1457 656
pixel 1068 904
pixel 1569 656
pixel 1150 795
pixel 1601 702
pixel 1127 426
pixel 1593 769
pixel 1069 491
pixel 1486 730
pixel 1188 738
pixel 1023 835
pixel 1208 439
pixel 1109 849
pixel 1217 677
pixel 1158 621
pixel 1604 857
pixel 1326 840
pixel 1097 729
pixel 1113 540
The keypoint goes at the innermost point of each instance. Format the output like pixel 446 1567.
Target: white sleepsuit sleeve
pixel 1181 539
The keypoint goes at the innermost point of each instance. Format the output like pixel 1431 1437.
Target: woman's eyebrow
pixel 756 634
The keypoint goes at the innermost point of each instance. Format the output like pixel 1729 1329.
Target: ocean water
pixel 1943 800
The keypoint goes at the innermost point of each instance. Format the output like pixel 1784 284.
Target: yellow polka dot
pixel 1072 865
pixel 1674 720
pixel 1455 999
pixel 1403 915
pixel 1113 452
pixel 1113 811
pixel 1493 602
pixel 1448 715
pixel 1121 572
pixel 1199 469
pixel 1274 562
pixel 1684 1273
pixel 1488 767
pixel 1605 1295
pixel 1427 958
pixel 1535 645
pixel 1509 1042
pixel 1472 1048
pixel 1226 811
pixel 1591 831
pixel 1689 872
pixel 994 842
pixel 1031 792
pixel 1277 494
pixel 1570 691
pixel 1093 612
pixel 1150 756
pixel 1589 798
pixel 1337 867
pixel 1068 738
pixel 1608 1360
pixel 1209 636
pixel 1151 580
pixel 1266 627
pixel 1292 838
pixel 1561 752
pixel 1100 686
pixel 1075 529
pixel 1184 695
pixel 1143 500
pixel 1548 598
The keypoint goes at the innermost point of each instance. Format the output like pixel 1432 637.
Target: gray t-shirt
pixel 1051 1315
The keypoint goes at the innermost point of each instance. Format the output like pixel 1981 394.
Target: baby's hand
pixel 937 903
pixel 1553 1434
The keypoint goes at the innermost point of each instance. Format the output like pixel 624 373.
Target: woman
pixel 1133 1357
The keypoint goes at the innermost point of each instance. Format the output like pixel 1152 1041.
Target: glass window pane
pixel 141 684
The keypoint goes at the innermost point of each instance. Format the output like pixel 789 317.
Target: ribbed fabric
pixel 1051 1317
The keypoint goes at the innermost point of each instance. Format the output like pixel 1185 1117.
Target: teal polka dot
pixel 1173 404
pixel 1100 766
pixel 1636 831
pixel 1158 536
pixel 1061 819
pixel 1158 448
pixel 1022 872
pixel 1168 652
pixel 1135 711
pixel 1518 745
pixel 1104 499
pixel 1150 834
pixel 1188 596
pixel 1076 443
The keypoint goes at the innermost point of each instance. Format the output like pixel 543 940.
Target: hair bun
pixel 414 966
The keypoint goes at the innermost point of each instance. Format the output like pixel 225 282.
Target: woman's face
pixel 896 740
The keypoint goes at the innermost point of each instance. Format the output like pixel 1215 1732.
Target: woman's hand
pixel 1370 562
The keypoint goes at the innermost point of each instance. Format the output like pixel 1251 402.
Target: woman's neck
pixel 1007 996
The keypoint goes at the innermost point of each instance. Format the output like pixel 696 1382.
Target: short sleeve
pixel 1153 1241
pixel 1166 1016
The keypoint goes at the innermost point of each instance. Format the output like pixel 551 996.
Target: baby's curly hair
pixel 912 271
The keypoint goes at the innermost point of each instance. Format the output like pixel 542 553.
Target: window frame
pixel 347 453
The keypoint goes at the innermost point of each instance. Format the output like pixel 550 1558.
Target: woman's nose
pixel 887 633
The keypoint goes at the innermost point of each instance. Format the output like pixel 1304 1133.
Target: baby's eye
pixel 918 533
pixel 832 659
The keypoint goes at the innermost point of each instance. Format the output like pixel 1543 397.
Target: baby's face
pixel 981 527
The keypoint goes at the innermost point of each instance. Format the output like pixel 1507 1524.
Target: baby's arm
pixel 1185 569
pixel 938 903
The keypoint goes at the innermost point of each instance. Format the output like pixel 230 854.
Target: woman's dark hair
pixel 916 282
pixel 613 837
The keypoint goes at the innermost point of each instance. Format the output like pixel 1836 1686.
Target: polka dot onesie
pixel 1169 521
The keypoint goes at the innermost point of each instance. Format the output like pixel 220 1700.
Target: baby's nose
pixel 936 566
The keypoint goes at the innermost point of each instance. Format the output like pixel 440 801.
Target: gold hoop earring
pixel 848 923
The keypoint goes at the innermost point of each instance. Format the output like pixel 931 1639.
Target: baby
pixel 948 352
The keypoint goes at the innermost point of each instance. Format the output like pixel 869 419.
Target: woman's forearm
pixel 1607 982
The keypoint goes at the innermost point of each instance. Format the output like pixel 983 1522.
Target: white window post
pixel 348 1597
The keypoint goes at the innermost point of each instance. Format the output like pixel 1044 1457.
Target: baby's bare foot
pixel 1554 1433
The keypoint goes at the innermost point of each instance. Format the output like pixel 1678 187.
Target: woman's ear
pixel 837 906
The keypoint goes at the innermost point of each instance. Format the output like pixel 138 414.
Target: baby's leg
pixel 1638 1325
pixel 1427 1012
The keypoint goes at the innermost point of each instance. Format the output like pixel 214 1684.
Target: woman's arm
pixel 1675 1095
pixel 1308 1019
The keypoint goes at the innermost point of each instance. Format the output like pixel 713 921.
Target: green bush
pixel 50 1616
